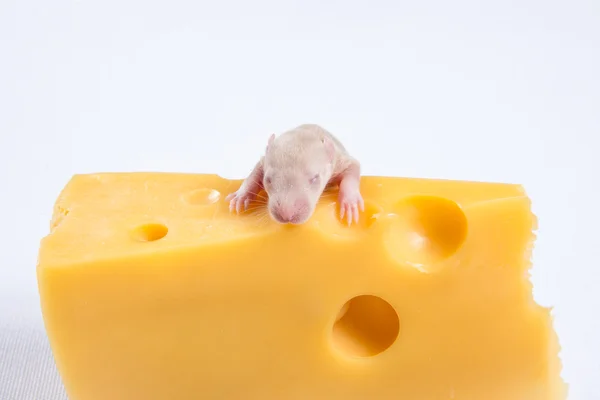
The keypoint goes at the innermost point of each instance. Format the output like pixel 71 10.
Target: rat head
pixel 296 172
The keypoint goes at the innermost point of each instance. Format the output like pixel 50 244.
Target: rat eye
pixel 314 179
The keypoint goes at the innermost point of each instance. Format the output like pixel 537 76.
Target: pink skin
pixel 349 195
pixel 295 171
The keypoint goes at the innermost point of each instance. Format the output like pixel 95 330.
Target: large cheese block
pixel 152 290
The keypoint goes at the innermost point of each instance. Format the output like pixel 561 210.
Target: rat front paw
pixel 350 202
pixel 239 199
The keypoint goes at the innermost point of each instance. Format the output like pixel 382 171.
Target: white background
pixel 498 91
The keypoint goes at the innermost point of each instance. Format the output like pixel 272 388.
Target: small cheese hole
pixel 150 232
pixel 203 196
pixel 365 327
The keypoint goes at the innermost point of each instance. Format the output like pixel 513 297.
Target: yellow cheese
pixel 151 290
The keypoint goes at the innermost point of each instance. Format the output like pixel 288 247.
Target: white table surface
pixel 493 91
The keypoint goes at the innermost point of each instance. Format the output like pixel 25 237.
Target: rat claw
pixel 349 212
pixel 232 199
pixel 240 199
pixel 351 201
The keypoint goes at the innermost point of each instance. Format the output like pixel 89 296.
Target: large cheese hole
pixel 150 232
pixel 366 326
pixel 428 229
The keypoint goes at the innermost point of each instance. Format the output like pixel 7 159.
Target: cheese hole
pixel 202 197
pixel 150 232
pixel 427 229
pixel 365 327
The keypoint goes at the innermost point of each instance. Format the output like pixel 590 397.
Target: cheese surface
pixel 151 290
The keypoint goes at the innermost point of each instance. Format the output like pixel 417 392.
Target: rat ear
pixel 270 143
pixel 329 148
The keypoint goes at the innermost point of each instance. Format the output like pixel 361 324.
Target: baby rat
pixel 295 170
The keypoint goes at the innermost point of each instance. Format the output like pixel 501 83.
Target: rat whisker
pixel 250 209
pixel 261 201
pixel 261 198
pixel 263 219
pixel 254 193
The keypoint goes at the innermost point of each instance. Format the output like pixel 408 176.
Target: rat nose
pixel 285 213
